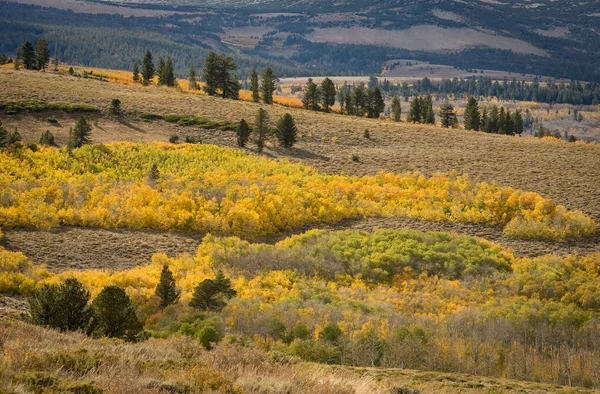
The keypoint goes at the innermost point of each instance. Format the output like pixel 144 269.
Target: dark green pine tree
pixel 80 134
pixel 518 122
pixel 169 75
pixel 341 98
pixel 166 290
pixel 359 102
pixel 28 56
pixel 485 121
pixel 269 85
pixel 147 68
pixel 136 72
pixel 312 96
pixel 261 128
pixel 3 136
pixel 375 102
pixel 212 294
pixel 502 121
pixel 509 126
pixel 254 86
pixel 210 74
pixel 192 78
pixel 327 94
pixel 472 115
pixel 114 315
pixel 287 132
pixel 429 115
pixel 447 115
pixel 217 75
pixel 42 54
pixel 396 109
pixel 243 133
pixel 160 71
pixel 46 139
pixel 350 109
pixel 414 114
pixel 493 122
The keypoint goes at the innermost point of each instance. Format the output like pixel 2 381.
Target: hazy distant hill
pixel 359 37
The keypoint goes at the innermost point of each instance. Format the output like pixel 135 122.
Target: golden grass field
pixel 158 366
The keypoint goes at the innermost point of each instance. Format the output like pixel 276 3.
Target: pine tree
pixel 341 98
pixel 210 74
pixel 47 139
pixel 243 133
pixel 518 122
pixel 327 94
pixel 3 136
pixel 136 72
pixel 217 75
pixel 56 59
pixel 63 306
pixel 28 56
pixel 18 59
pixel 493 122
pixel 447 115
pixel 286 131
pixel 166 289
pixel 429 115
pixel 374 102
pixel 147 68
pixel 261 128
pixel 254 87
pixel 485 121
pixel 114 315
pixel 472 115
pixel 312 96
pixel 14 137
pixel 359 102
pixel 42 54
pixel 80 134
pixel 414 114
pixel 192 78
pixel 349 103
pixel 269 85
pixel 160 71
pixel 502 121
pixel 509 126
pixel 169 75
pixel 396 109
pixel 212 294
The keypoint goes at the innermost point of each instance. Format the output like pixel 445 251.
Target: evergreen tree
pixel 414 114
pixel 192 78
pixel 136 72
pixel 80 134
pixel 286 131
pixel 114 315
pixel 493 122
pixel 350 109
pixel 18 59
pixel 341 98
pixel 14 137
pixel 28 56
pixel 396 109
pixel 46 139
pixel 472 115
pixel 217 75
pixel 312 96
pixel 243 133
pixel 518 123
pixel 147 68
pixel 212 294
pixel 160 71
pixel 509 127
pixel 115 107
pixel 261 128
pixel 3 136
pixel 269 85
pixel 42 54
pixel 447 115
pixel 327 94
pixel 485 121
pixel 166 289
pixel 359 102
pixel 427 110
pixel 254 87
pixel 63 306
pixel 56 59
pixel 169 75
pixel 375 103
pixel 502 121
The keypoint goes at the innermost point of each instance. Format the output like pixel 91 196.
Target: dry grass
pixel 32 353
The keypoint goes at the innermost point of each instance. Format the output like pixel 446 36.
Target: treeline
pixel 551 92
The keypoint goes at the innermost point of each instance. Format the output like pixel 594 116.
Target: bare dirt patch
pixel 72 248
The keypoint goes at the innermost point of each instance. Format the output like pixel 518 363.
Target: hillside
pixel 411 259
pixel 358 37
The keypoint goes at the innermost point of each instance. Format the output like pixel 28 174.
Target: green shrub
pixel 173 139
pixel 47 139
pixel 114 315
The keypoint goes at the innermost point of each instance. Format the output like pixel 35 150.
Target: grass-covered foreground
pixel 226 192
